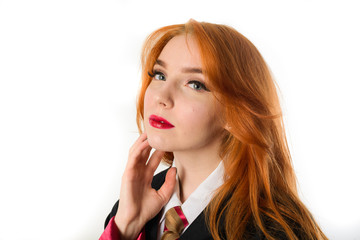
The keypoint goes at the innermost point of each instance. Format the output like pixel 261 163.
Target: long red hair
pixel 260 185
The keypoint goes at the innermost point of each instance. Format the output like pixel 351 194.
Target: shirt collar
pixel 199 199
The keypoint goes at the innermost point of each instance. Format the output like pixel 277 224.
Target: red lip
pixel 159 122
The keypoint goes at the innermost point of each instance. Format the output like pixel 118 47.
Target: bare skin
pixel 139 202
pixel 180 97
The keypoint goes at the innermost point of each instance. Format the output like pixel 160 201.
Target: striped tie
pixel 175 222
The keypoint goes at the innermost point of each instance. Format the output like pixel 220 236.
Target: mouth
pixel 159 122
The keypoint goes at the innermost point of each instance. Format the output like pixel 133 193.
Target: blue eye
pixel 157 75
pixel 198 86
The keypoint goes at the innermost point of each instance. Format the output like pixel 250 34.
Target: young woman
pixel 209 106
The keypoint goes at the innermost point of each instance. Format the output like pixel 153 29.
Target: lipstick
pixel 159 122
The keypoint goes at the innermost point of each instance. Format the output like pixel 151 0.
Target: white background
pixel 69 75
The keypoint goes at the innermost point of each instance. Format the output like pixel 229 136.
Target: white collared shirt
pixel 197 201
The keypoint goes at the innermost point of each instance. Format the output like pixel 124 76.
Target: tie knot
pixel 175 222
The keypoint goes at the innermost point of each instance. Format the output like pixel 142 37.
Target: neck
pixel 193 167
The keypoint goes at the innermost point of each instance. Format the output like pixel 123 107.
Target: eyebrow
pixel 184 70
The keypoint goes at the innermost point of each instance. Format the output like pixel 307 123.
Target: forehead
pixel 181 51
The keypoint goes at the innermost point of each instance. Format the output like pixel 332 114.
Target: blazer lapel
pixel 197 229
pixel 151 228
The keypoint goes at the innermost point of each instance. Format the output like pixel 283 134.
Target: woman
pixel 209 106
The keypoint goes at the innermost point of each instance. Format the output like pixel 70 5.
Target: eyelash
pixel 202 85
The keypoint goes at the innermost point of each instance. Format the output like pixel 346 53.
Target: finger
pixel 139 140
pixel 140 154
pixel 154 160
pixel 144 155
pixel 168 187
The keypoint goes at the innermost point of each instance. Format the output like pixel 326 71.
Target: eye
pixel 157 75
pixel 198 86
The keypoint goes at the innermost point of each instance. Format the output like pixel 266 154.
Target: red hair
pixel 260 186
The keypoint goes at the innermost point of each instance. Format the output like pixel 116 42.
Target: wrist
pixel 129 230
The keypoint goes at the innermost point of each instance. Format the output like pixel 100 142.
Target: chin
pixel 158 143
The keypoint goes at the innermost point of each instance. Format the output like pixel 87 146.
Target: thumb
pixel 168 187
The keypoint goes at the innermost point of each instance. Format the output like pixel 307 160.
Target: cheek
pixel 204 119
pixel 147 100
pixel 147 108
pixel 196 117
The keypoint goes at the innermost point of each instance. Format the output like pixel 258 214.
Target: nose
pixel 164 97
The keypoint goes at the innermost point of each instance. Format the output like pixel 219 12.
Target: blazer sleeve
pixel 112 213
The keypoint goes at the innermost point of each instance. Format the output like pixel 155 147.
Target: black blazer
pixel 197 229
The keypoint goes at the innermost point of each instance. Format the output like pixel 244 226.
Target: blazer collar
pixel 196 231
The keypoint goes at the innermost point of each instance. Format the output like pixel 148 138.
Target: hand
pixel 139 202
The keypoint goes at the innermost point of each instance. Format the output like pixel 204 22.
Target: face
pixel 181 114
